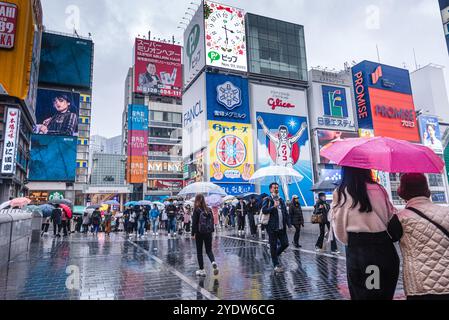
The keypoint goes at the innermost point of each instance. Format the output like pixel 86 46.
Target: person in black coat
pixel 297 218
pixel 277 224
pixel 322 208
pixel 56 217
pixel 253 210
pixel 241 210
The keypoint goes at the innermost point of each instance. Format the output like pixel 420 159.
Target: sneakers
pixel 201 273
pixel 157 234
pixel 336 252
pixel 318 249
pixel 215 267
pixel 278 269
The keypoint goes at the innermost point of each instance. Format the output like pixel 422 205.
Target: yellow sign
pixel 231 152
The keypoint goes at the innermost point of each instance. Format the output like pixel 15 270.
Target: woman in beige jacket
pixel 424 247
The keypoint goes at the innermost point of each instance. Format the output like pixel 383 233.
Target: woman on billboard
pixel 63 123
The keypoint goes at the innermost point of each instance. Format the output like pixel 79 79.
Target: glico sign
pixel 384 100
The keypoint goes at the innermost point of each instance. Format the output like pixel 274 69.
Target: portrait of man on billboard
pixel 430 137
pixel 64 121
pixel 149 80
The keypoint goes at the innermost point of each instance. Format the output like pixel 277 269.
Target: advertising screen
pixel 52 158
pixel 157 68
pixel 194 47
pixel 231 152
pixel 137 117
pixel 156 167
pixel 225 37
pixel 8 24
pixel 66 61
pixel 57 113
pixel 138 143
pixel 166 185
pixel 283 140
pixel 227 98
pixel 326 137
pixel 429 129
pixel 137 169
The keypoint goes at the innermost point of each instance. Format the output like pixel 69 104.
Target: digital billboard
pixel 327 137
pixel 225 37
pixel 66 61
pixel 53 158
pixel 137 117
pixel 57 113
pixel 227 98
pixel 231 152
pixel 429 129
pixel 283 140
pixel 138 143
pixel 157 68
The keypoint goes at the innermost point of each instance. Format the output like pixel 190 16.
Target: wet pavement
pixel 85 267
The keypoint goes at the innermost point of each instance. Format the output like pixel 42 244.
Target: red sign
pixel 157 68
pixel 8 22
pixel 278 103
pixel 166 185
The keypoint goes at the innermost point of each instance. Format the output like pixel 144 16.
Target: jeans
pixel 172 225
pixel 232 220
pixel 297 234
pixel 85 228
pixel 207 240
pixel 155 225
pixel 252 224
pixel 276 250
pixel 95 228
pixel 319 243
pixel 141 227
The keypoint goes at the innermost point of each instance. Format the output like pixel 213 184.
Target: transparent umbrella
pixel 276 173
pixel 206 188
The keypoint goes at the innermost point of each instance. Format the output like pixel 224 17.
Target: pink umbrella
pixel 19 202
pixel 384 154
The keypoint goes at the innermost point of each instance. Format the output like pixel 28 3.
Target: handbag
pixel 422 215
pixel 317 218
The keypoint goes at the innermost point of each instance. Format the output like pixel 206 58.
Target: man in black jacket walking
pixel 56 217
pixel 253 210
pixel 277 225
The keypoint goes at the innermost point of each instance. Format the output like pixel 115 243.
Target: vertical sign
pixel 10 143
pixel 8 22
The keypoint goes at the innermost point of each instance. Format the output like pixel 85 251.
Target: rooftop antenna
pixel 378 54
pixel 416 61
pixel 149 35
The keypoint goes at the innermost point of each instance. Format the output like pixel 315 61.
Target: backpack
pixel 171 211
pixel 96 218
pixel 206 222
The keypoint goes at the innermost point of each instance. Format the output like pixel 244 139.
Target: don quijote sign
pixel 8 24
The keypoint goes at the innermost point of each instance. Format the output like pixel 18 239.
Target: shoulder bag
pixel 422 215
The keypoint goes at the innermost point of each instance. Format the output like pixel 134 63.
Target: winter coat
pixel 425 249
pixel 56 215
pixel 154 213
pixel 273 222
pixel 296 215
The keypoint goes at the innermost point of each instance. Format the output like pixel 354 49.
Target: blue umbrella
pixel 47 209
pixel 144 203
pixel 112 203
pixel 131 204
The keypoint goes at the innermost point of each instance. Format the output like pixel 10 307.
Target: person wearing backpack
pixel 171 215
pixel 202 229
pixel 96 220
pixel 425 242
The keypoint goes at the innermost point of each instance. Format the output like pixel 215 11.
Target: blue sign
pixel 335 103
pixel 227 98
pixel 137 117
pixel 237 189
pixel 362 99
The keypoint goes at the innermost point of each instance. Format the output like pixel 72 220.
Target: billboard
pixel 137 169
pixel 157 68
pixel 429 129
pixel 279 100
pixel 225 37
pixel 57 113
pixel 284 140
pixel 231 152
pixel 156 167
pixel 137 117
pixel 166 185
pixel 53 158
pixel 194 53
pixel 66 61
pixel 327 137
pixel 10 142
pixel 444 7
pixel 8 24
pixel 227 98
pixel 138 143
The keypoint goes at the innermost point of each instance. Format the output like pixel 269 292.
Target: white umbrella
pixel 276 173
pixel 206 188
pixel 228 198
pixel 5 205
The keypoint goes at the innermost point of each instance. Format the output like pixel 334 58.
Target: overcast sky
pixel 336 32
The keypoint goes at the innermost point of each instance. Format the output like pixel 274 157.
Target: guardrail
pixel 18 229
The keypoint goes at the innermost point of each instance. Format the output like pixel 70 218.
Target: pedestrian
pixel 79 223
pixel 187 218
pixel 216 214
pixel 45 226
pixel 242 211
pixel 126 216
pixel 64 222
pixel 361 213
pixel 295 212
pixel 232 214
pixel 107 221
pixel 225 215
pixel 253 211
pixel 322 209
pixel 171 215
pixel 164 219
pixel 276 228
pixel 425 242
pixel 141 217
pixel 202 229
pixel 131 222
pixel 56 219
pixel 154 216
pixel 96 221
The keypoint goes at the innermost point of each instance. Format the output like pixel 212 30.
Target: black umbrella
pixel 95 206
pixel 62 201
pixel 325 185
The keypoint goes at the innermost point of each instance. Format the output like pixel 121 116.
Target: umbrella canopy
pixel 384 154
pixel 131 204
pixel 46 210
pixel 94 206
pixel 19 202
pixel 79 210
pixel 112 203
pixel 89 210
pixel 67 210
pixel 325 185
pixel 228 198
pixel 206 188
pixel 276 173
pixel 214 201
pixel 62 201
pixel 144 203
pixel 5 205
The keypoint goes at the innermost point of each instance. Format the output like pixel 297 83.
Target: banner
pixel 279 100
pixel 138 143
pixel 231 152
pixel 327 137
pixel 11 140
pixel 429 129
pixel 8 24
pixel 283 140
pixel 225 37
pixel 137 169
pixel 157 68
pixel 137 117
pixel 57 113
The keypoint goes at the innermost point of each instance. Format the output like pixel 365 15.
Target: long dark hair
pixel 200 203
pixel 354 182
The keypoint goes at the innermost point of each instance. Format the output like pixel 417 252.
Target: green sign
pixel 214 56
pixel 56 195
